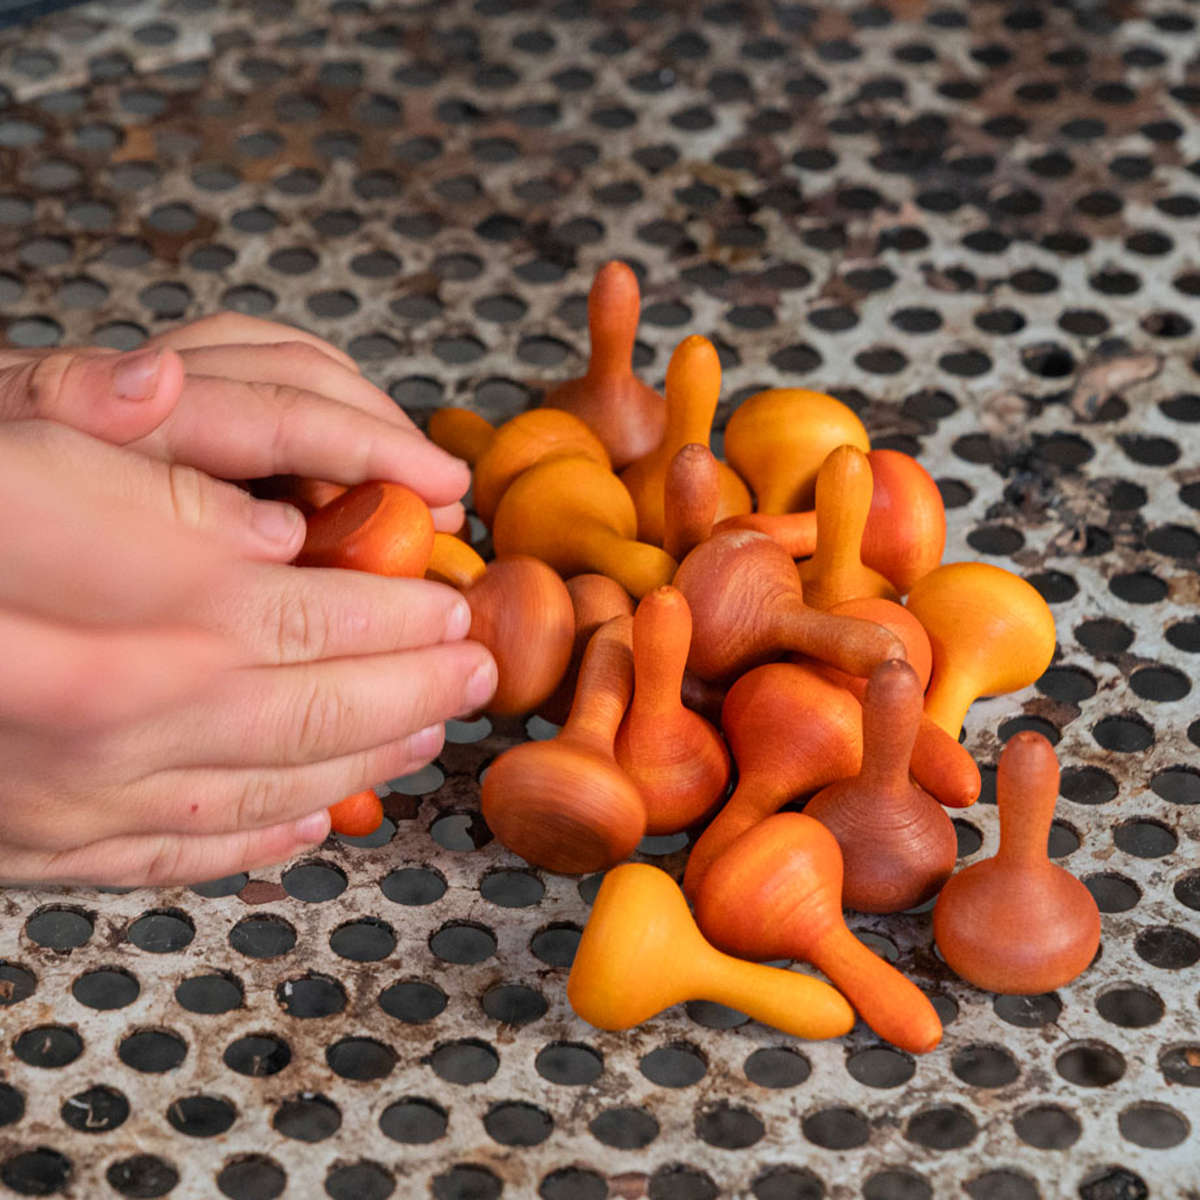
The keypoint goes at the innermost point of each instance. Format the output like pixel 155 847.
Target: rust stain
pixel 262 891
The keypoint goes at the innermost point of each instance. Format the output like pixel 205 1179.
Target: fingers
pixel 448 518
pixel 283 614
pixel 161 860
pixel 238 430
pixel 116 397
pixel 296 364
pixel 74 679
pixel 229 329
pixel 276 717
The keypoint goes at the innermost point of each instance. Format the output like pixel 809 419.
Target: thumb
pixel 115 397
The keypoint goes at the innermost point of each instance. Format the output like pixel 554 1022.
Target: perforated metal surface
pixel 977 226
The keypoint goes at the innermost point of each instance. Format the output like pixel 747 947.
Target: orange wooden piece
pixel 898 845
pixel 693 387
pixel 676 758
pixel 776 893
pixel 905 534
pixel 691 493
pixel 526 439
pixel 595 599
pixel 452 561
pixel 991 633
pixel 641 953
pixel 357 815
pixel 461 432
pixel 777 440
pixel 791 731
pixel 836 572
pixel 521 611
pixel 577 516
pixel 626 414
pixel 565 804
pixel 795 532
pixel 384 528
pixel 748 607
pixel 1018 923
pixel 940 764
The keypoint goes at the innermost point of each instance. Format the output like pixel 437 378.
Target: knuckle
pixel 161 865
pixel 45 382
pixel 321 719
pixel 302 627
pixel 258 803
pixel 186 489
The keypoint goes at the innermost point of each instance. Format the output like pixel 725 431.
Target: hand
pixel 238 398
pixel 177 702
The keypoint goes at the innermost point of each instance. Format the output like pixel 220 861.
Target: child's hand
pixel 238 398
pixel 175 702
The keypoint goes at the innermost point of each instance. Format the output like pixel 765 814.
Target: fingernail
pixel 276 522
pixel 136 374
pixel 314 827
pixel 458 621
pixel 482 684
pixel 428 741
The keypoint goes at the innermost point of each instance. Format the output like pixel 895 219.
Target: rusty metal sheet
pixel 977 225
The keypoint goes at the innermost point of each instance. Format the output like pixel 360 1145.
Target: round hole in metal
pixel 413 886
pixel 60 928
pixel 467 1181
pixel 48 1046
pixel 516 1123
pixel 152 1051
pixel 164 931
pixel 362 1180
pixel 469 1060
pixel 1090 1064
pixel 39 1172
pixel 201 1116
pixel 210 995
pixel 311 996
pixel 314 882
pixel 265 936
pixel 97 1109
pixel 985 1066
pixel 414 1121
pixel 881 1067
pixel 257 1055
pixel 569 1064
pixel 413 1001
pixel 361 1059
pixel 252 1177
pixel 1028 1012
pixel 777 1067
pixel 836 1128
pixel 728 1126
pixel 896 1184
pixel 308 1117
pixel 142 1176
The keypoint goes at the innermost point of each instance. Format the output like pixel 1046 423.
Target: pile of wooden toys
pixel 783 617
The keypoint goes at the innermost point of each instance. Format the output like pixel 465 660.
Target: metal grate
pixel 975 224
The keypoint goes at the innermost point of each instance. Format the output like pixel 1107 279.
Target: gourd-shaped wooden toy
pixel 577 516
pixel 898 845
pixel 795 532
pixel 595 600
pixel 940 764
pixel 521 611
pixel 748 607
pixel 627 415
pixel 461 432
pixel 565 804
pixel 383 528
pixel 776 893
pixel 777 440
pixel 676 758
pixel 693 387
pixel 991 633
pixel 357 815
pixel 500 454
pixel 641 953
pixel 1018 923
pixel 691 492
pixel 905 534
pixel 791 731
pixel 836 572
